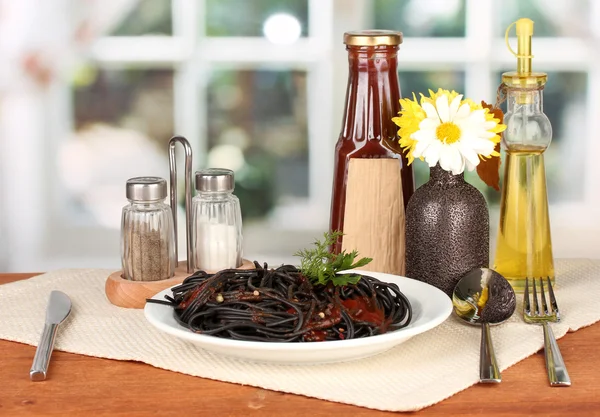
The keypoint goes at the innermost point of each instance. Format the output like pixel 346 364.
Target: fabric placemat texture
pixel 420 372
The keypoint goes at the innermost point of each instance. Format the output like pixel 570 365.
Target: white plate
pixel 430 308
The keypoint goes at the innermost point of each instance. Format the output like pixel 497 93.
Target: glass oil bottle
pixel 524 246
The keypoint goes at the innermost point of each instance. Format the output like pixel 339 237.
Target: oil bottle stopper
pixel 524 29
pixel 523 78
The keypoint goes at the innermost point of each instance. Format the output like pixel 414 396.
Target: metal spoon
pixel 484 297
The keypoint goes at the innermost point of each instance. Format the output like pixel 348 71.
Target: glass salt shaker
pixel 216 221
pixel 147 235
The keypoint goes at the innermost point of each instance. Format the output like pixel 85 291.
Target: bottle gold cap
pixel 373 38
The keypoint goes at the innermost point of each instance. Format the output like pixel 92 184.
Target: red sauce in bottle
pixel 372 100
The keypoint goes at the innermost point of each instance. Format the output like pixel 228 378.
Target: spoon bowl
pixel 484 297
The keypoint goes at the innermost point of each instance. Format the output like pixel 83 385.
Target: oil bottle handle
pixel 507 41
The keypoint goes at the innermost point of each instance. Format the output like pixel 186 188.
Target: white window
pixel 259 86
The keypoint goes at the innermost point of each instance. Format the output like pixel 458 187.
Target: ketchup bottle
pixel 372 180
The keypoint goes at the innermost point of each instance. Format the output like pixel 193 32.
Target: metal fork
pixel 555 365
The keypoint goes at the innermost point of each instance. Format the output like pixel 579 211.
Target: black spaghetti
pixel 282 305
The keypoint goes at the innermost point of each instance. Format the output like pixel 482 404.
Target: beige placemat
pixel 421 372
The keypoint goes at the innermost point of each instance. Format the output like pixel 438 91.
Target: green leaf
pixel 345 279
pixel 348 260
pixel 338 261
pixel 361 262
pixel 321 266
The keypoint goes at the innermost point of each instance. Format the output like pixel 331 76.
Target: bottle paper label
pixel 374 214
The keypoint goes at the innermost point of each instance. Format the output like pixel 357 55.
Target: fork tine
pixel 526 305
pixel 536 306
pixel 553 300
pixel 543 297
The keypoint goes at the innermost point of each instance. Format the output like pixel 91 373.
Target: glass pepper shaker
pixel 216 221
pixel 147 236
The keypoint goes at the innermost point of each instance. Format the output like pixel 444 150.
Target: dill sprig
pixel 321 266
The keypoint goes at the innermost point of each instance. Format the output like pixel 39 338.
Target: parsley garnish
pixel 321 266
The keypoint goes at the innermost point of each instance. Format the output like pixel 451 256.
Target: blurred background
pixel 91 91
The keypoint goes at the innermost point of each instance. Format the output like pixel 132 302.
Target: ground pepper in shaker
pixel 216 221
pixel 147 236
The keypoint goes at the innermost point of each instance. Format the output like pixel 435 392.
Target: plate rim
pixel 400 334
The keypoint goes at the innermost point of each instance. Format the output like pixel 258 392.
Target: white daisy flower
pixel 454 135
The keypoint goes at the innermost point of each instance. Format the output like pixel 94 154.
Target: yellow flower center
pixel 448 132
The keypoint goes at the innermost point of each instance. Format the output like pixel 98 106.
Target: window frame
pixel 480 53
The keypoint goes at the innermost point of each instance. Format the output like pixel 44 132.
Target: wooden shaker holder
pixel 133 294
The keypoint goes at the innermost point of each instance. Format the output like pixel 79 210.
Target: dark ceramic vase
pixel 447 230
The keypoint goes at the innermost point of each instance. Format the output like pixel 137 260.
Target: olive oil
pixel 524 246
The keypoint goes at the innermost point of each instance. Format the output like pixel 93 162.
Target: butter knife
pixel 59 307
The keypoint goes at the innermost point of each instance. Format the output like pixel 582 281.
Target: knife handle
pixel 43 352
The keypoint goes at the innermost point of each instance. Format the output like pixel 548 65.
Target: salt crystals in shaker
pixel 147 236
pixel 216 221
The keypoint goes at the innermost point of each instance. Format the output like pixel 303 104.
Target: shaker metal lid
pixel 214 179
pixel 373 37
pixel 146 189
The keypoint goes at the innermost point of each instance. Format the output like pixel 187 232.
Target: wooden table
pixel 82 385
